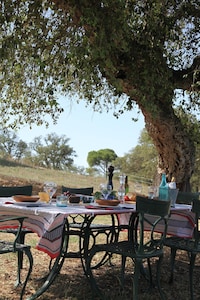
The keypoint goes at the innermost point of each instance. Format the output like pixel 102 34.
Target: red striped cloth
pixel 49 228
pixel 181 223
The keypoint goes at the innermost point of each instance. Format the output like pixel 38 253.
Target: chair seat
pixel 92 226
pixel 182 244
pixel 14 231
pixel 6 247
pixel 126 248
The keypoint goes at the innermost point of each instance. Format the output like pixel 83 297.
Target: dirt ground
pixel 71 283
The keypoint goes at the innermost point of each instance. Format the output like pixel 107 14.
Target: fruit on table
pixel 126 198
pixel 130 196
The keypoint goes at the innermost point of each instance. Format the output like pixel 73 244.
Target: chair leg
pixel 28 253
pixel 162 294
pixel 90 276
pixel 172 263
pixel 123 263
pixel 137 269
pixel 150 277
pixel 20 254
pixel 191 269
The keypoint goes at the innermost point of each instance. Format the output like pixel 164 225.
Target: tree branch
pixel 187 79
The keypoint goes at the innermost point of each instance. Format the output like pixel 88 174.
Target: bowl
pixel 74 199
pixel 102 202
pixel 24 198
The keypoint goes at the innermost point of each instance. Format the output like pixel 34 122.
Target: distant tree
pixel 141 161
pixel 20 151
pixel 8 141
pixel 53 151
pixel 11 146
pixel 101 159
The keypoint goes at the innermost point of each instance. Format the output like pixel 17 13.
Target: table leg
pixel 55 267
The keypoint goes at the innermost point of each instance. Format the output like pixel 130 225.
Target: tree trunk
pixel 175 149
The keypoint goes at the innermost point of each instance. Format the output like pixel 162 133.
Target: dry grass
pixel 71 283
pixel 36 177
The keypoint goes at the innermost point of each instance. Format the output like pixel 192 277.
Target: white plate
pixel 182 206
pixel 30 204
pixel 96 205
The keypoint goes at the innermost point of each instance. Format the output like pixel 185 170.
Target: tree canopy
pixel 101 159
pixel 115 54
pixel 53 151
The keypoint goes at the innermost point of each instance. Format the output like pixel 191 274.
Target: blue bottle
pixel 163 189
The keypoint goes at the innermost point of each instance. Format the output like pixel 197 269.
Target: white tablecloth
pixel 48 220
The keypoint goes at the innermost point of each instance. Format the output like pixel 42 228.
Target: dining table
pixel 50 223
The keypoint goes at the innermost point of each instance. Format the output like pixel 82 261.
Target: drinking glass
pixel 105 189
pixel 151 192
pixel 50 188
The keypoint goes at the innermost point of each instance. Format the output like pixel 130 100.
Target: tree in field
pixel 101 159
pixel 8 141
pixel 53 152
pixel 11 146
pixel 115 54
pixel 141 161
pixel 21 150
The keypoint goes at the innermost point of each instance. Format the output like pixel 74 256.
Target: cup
pixel 62 200
pixel 173 193
pixel 87 199
pixel 151 192
pixel 44 197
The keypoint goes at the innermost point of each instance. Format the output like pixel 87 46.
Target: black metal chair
pixel 15 247
pixel 86 231
pixel 186 197
pixel 140 246
pixel 190 245
pixel 9 191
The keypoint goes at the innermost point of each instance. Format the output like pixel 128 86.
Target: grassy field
pixel 14 175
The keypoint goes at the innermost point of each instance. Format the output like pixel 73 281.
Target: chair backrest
pixel 186 197
pixel 9 191
pixel 82 191
pixel 152 218
pixel 196 210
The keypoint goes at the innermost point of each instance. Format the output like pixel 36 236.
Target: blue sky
pixel 88 130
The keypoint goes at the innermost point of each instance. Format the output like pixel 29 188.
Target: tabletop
pixel 48 220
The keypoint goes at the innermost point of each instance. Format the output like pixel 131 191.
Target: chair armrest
pixel 20 221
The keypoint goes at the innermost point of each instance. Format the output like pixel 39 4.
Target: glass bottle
pixel 126 185
pixel 121 190
pixel 163 188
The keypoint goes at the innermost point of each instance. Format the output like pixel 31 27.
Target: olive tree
pixel 114 54
pixel 11 146
pixel 101 159
pixel 53 151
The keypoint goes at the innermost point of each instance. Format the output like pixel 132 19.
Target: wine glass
pixel 109 190
pixel 105 189
pixel 50 188
pixel 151 192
